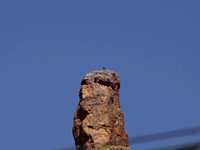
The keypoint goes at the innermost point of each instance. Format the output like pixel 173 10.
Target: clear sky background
pixel 47 46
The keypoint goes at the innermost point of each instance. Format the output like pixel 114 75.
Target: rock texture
pixel 98 120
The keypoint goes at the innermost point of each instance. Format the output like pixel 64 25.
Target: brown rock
pixel 98 120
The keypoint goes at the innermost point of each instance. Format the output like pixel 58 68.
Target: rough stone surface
pixel 98 120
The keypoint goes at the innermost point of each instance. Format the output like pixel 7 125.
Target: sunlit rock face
pixel 98 120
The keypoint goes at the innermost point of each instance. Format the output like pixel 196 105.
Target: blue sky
pixel 46 47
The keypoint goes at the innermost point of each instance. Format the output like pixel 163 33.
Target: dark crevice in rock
pixel 82 113
pixel 90 127
pixel 84 137
pixel 115 86
pixel 112 99
pixel 102 82
pixel 83 82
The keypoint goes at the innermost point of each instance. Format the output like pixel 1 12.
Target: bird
pixel 104 68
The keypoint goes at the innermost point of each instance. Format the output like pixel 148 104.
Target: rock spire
pixel 98 120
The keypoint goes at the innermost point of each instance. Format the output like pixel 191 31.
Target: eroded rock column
pixel 98 120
